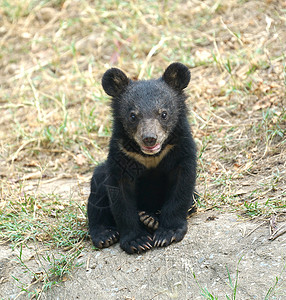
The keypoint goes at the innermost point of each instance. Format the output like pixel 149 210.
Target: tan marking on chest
pixel 148 161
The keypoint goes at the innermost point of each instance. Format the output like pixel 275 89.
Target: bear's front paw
pixel 151 221
pixel 136 243
pixel 164 237
pixel 105 237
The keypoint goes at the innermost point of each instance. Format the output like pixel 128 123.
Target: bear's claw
pixel 105 238
pixel 137 245
pixel 151 221
pixel 165 237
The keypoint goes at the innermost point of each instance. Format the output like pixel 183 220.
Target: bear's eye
pixel 133 117
pixel 164 115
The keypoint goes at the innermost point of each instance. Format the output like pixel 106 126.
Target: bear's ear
pixel 114 82
pixel 177 76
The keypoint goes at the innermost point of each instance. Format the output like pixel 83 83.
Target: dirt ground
pixel 217 245
pixel 55 124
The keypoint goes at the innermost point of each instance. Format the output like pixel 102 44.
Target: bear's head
pixel 148 110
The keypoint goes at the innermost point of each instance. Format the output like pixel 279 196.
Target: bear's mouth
pixel 151 150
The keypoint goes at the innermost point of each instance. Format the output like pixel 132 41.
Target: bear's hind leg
pixel 102 226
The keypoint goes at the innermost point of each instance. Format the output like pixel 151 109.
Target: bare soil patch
pixel 218 245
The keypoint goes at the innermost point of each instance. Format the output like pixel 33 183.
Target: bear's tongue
pixel 152 149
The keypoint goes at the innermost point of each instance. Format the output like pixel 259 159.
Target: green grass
pixel 49 219
pixel 52 223
pixel 274 292
pixel 54 271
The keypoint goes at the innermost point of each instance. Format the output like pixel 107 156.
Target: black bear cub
pixel 140 196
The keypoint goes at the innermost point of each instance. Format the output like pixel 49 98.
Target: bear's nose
pixel 149 141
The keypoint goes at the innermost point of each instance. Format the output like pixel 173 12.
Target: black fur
pixel 132 180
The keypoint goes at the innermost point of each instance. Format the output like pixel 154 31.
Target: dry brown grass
pixel 55 119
